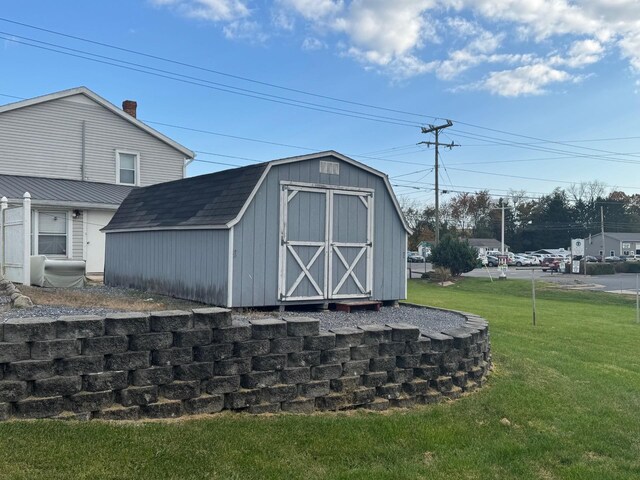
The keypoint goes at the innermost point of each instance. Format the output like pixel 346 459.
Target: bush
pixel 627 267
pixel 438 274
pixel 456 255
pixel 600 269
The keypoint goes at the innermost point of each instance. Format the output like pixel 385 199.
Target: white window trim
pixel 35 234
pixel 137 167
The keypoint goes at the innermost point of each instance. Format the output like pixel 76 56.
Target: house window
pixel 127 168
pixel 612 253
pixel 52 233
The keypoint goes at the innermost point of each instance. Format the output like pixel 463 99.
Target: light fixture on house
pixel 75 214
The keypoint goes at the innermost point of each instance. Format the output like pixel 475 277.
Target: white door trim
pixel 331 249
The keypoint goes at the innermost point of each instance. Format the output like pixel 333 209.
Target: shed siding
pixel 255 272
pixel 190 264
pixel 46 140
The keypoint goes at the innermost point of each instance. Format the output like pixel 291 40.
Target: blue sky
pixel 542 93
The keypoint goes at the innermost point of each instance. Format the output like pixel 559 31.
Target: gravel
pixel 52 311
pixel 428 320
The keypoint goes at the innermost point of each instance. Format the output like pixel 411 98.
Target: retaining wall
pixel 167 364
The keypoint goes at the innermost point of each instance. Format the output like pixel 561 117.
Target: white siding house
pixel 79 156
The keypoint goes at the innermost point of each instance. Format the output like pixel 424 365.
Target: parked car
pixel 534 260
pixel 414 257
pixel 492 261
pixel 613 259
pixel 522 260
pixel 552 264
pixel 591 259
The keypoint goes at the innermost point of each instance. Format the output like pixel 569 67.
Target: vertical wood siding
pixel 256 240
pixel 190 264
pixel 46 140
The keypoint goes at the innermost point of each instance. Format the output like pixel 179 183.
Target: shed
pixel 318 228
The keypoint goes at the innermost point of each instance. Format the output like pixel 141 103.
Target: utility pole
pixel 502 208
pixel 503 272
pixel 602 231
pixel 436 130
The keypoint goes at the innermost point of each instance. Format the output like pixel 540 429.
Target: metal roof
pixel 622 236
pixel 216 200
pixel 63 192
pixel 103 102
pixel 484 242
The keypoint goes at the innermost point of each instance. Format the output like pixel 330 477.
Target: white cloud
pixel 314 9
pixel 526 80
pixel 531 45
pixel 212 10
pixel 282 20
pixel 580 54
pixel 312 43
pixel 245 30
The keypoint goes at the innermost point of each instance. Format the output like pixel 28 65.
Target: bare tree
pixel 587 192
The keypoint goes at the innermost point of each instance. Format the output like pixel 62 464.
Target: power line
pixel 217 72
pixel 507 143
pixel 527 178
pixel 272 85
pixel 205 83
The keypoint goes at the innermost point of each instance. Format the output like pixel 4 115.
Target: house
pixel 484 245
pixel 619 243
pixel 79 156
pixel 317 228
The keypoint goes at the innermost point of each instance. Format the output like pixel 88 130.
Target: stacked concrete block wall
pixel 173 363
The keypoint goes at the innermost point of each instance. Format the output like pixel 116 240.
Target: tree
pixel 454 254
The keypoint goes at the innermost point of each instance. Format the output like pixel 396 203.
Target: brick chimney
pixel 130 107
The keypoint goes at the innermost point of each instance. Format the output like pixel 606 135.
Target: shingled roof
pixel 214 200
pixel 206 200
pixel 59 191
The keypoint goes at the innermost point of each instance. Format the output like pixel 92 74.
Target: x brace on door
pixel 330 249
pixel 305 270
pixel 349 272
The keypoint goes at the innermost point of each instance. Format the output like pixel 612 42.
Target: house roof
pixel 62 192
pixel 621 236
pixel 103 102
pixel 485 242
pixel 216 200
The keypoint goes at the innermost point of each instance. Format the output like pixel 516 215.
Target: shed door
pixel 326 244
pixel 303 251
pixel 350 241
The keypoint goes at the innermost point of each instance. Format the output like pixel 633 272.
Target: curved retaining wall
pixel 167 364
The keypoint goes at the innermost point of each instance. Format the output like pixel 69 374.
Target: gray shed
pixel 318 228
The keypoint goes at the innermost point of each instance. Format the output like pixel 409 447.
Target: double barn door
pixel 326 243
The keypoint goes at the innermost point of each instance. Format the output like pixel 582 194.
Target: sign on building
pixel 577 246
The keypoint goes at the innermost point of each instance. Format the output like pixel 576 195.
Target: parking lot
pixel 618 283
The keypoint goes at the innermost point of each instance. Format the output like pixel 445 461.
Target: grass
pixel 570 388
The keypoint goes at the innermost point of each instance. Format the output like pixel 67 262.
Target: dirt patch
pixel 100 296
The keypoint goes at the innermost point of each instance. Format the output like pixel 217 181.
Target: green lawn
pixel 570 388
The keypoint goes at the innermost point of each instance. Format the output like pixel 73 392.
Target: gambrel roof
pixel 104 103
pixel 215 200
